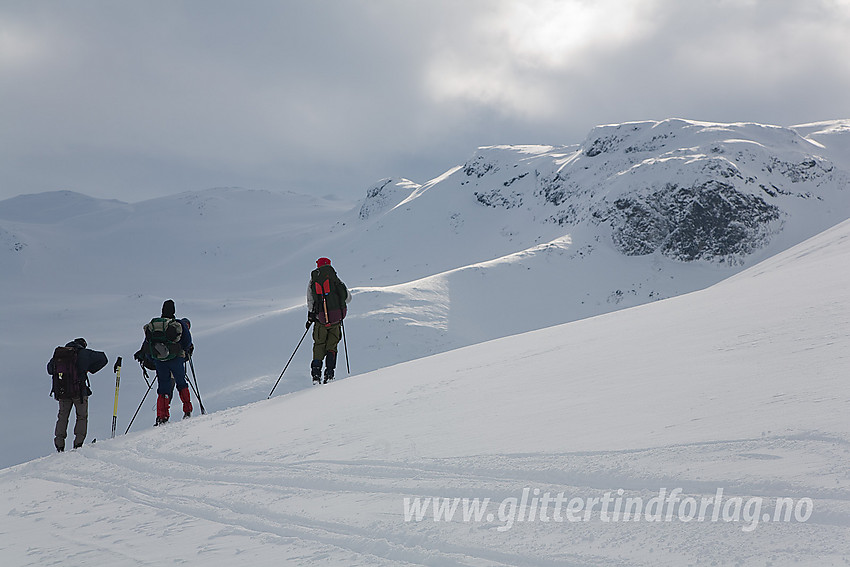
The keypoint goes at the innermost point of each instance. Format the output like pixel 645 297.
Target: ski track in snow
pixel 296 506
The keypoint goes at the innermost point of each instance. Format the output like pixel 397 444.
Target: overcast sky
pixel 137 99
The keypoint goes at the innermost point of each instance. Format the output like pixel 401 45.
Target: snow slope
pixel 514 239
pixel 741 387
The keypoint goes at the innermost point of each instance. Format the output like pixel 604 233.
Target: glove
pixel 139 356
pixel 308 324
pixel 190 351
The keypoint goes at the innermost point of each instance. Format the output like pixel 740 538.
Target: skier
pixel 69 367
pixel 168 343
pixel 327 298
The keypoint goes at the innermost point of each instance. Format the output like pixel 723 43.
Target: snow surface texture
pixel 741 387
pixel 515 239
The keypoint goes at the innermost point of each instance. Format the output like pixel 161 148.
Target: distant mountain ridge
pixel 687 190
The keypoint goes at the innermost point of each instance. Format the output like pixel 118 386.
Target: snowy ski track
pixel 237 506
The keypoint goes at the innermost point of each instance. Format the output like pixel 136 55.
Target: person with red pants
pixel 171 363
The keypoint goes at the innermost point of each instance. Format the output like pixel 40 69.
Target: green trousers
pixel 325 339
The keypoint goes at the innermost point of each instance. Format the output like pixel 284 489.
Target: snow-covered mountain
pixel 716 420
pixel 521 237
pixel 516 238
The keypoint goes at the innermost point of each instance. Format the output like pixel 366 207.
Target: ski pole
pixel 117 370
pixel 197 390
pixel 150 385
pixel 290 360
pixel 345 346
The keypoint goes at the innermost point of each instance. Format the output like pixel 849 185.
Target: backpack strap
pixel 323 290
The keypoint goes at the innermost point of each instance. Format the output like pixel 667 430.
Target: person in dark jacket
pixel 88 361
pixel 327 300
pixel 170 372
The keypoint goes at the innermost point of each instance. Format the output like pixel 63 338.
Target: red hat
pixel 323 262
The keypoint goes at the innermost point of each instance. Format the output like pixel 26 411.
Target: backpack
pixel 329 293
pixel 66 379
pixel 163 338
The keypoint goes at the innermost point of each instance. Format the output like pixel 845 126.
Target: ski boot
pixel 316 371
pixel 187 402
pixel 163 403
pixel 330 365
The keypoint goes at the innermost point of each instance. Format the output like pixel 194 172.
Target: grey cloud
pixel 130 100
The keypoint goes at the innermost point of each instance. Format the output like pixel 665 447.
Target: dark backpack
pixel 66 379
pixel 329 293
pixel 163 338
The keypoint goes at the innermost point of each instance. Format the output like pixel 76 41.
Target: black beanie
pixel 168 309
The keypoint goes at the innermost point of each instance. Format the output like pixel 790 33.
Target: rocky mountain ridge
pixel 683 189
